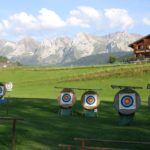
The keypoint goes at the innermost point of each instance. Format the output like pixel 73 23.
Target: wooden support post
pixel 82 145
pixel 14 134
pixel 69 147
pixel 14 121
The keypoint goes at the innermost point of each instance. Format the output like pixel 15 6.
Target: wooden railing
pixel 14 122
pixel 83 146
pixel 142 50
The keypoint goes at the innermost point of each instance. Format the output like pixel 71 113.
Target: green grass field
pixel 34 99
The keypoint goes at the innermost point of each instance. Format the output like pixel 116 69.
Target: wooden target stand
pixel 148 87
pixel 127 101
pixel 2 94
pixel 90 101
pixel 66 100
pixel 5 87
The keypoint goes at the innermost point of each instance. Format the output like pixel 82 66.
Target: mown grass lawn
pixel 34 99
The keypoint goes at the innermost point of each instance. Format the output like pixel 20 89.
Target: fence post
pixel 82 146
pixel 14 134
pixel 69 147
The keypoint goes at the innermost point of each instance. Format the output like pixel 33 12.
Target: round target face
pixel 66 97
pixel 127 101
pixel 9 86
pixel 90 100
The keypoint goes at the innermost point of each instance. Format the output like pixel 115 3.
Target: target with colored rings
pixel 66 97
pixel 90 100
pixel 127 101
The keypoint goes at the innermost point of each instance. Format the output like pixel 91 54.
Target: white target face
pixel 127 101
pixel 66 98
pixel 90 100
pixel 1 90
pixel 9 86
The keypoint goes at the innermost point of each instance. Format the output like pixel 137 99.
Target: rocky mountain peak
pixel 52 51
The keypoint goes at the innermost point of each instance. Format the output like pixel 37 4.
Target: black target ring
pixel 126 110
pixel 1 89
pixel 66 97
pixel 90 100
pixel 127 101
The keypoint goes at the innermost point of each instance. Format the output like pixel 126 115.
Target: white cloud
pixel 146 21
pixel 112 18
pixel 92 13
pixel 74 21
pixel 118 18
pixel 24 19
pixel 49 19
pixel 20 23
pixel 83 16
pixel 23 23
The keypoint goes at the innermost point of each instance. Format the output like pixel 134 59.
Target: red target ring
pixel 90 100
pixel 66 97
pixel 127 101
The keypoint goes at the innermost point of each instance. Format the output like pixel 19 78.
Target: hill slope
pixel 34 99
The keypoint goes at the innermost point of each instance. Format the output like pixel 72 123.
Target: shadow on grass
pixel 44 129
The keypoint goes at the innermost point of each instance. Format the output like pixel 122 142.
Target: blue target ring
pixel 90 100
pixel 127 101
pixel 1 89
pixel 66 97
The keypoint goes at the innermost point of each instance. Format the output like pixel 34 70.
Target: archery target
pixel 9 86
pixel 127 101
pixel 90 100
pixel 66 98
pixel 2 91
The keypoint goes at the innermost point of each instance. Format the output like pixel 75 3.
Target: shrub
pixel 112 59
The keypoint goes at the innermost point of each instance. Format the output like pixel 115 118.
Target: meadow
pixel 34 99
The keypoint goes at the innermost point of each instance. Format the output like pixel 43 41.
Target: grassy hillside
pixel 34 99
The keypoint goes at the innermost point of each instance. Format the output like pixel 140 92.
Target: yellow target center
pixel 90 100
pixel 66 97
pixel 127 101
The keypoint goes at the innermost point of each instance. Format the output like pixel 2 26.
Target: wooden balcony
pixel 142 51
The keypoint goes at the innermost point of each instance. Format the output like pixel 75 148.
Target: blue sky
pixel 48 18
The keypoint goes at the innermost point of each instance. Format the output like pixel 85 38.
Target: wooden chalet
pixel 141 47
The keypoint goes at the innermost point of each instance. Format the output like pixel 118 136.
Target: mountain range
pixel 82 49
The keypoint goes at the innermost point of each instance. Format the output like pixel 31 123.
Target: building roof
pixel 147 36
